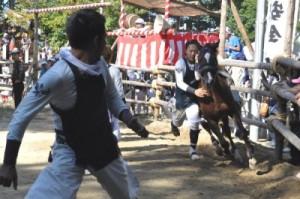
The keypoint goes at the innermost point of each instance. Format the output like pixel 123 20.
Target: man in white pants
pixel 80 91
pixel 186 93
pixel 116 76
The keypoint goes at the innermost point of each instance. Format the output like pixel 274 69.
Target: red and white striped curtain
pixel 150 51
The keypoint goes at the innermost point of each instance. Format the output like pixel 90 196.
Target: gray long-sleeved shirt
pixel 57 87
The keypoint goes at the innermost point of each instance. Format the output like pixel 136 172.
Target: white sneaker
pixel 298 175
pixel 193 154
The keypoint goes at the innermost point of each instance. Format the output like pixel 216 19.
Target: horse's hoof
pixel 219 151
pixel 252 163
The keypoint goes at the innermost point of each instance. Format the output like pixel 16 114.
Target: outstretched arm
pixel 31 104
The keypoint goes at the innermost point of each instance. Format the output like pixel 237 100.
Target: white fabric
pixel 192 115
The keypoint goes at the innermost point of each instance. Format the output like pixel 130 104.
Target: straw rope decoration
pixel 63 8
pixel 167 8
pixel 122 15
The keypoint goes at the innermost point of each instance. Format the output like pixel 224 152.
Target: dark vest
pixel 183 98
pixel 86 126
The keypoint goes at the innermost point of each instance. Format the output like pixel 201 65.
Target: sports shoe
pixel 193 154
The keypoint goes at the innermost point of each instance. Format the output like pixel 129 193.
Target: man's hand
pixel 8 175
pixel 201 92
pixel 138 128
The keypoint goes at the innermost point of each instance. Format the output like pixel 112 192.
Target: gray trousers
pixel 61 178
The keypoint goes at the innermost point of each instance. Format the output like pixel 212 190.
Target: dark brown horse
pixel 219 105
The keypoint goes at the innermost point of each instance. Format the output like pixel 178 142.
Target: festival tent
pixel 177 8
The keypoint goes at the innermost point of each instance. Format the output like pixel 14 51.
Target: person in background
pixel 45 65
pixel 240 76
pixel 81 92
pixel 18 76
pixel 186 94
pixel 116 76
pixel 5 45
pixel 140 23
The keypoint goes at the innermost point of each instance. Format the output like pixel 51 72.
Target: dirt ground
pixel 161 164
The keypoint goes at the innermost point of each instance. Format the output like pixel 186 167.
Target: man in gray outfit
pixel 80 91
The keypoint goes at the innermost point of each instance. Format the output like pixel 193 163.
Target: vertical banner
pixel 275 28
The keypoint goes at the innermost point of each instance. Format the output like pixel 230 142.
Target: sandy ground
pixel 161 164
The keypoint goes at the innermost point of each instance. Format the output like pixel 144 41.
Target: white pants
pixel 61 178
pixel 191 113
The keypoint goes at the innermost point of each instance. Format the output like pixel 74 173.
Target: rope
pixel 167 9
pixel 122 15
pixel 277 67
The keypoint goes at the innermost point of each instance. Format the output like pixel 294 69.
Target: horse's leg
pixel 214 141
pixel 244 136
pixel 279 142
pixel 215 128
pixel 227 132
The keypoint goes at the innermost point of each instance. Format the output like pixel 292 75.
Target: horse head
pixel 207 65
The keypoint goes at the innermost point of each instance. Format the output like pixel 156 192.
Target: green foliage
pixel 211 4
pixel 53 24
pixel 247 12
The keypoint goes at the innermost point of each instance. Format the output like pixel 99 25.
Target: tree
pixel 53 24
pixel 211 4
pixel 247 12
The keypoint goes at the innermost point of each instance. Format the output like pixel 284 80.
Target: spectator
pixel 80 91
pixel 139 23
pixel 116 76
pixel 45 65
pixel 234 50
pixel 18 76
pixel 43 68
pixel 5 44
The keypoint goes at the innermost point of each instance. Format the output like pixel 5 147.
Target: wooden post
pixel 222 29
pixel 101 9
pixel 26 55
pixel 35 47
pixel 241 26
pixel 158 93
pixel 289 28
pixel 4 49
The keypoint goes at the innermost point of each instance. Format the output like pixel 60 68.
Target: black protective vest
pixel 183 98
pixel 86 126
